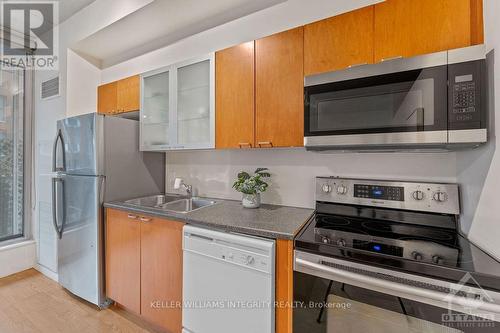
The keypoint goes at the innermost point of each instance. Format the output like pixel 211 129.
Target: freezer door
pixel 80 250
pixel 80 136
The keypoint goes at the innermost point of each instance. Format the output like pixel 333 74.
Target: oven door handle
pixel 391 288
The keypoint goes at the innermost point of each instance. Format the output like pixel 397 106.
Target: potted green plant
pixel 251 186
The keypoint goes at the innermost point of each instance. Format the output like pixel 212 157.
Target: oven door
pixel 408 107
pixel 335 298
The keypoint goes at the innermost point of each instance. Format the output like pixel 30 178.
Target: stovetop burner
pixel 333 220
pixel 327 224
pixel 431 234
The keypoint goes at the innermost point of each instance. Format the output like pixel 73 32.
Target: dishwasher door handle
pixel 199 237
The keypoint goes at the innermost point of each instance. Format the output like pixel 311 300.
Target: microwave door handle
pixel 419 114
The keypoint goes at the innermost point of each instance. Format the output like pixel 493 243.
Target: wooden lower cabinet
pixel 123 259
pixel 284 286
pixel 161 273
pixel 144 267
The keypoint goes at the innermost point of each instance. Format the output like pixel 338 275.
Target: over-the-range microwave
pixel 431 101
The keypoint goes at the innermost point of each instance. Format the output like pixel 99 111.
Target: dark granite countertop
pixel 271 221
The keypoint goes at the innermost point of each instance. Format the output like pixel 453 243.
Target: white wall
pixel 82 81
pixel 479 171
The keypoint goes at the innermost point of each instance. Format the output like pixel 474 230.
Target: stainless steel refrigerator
pixel 95 159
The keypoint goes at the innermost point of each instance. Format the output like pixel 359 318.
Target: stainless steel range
pixel 384 256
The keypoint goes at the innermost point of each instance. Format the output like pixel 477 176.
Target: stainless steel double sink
pixel 172 202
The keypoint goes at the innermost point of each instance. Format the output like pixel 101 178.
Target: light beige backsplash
pixel 212 173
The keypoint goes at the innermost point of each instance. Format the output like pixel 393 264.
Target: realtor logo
pixel 30 34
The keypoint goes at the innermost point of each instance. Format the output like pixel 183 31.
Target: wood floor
pixel 30 302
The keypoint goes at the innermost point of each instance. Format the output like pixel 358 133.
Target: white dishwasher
pixel 228 283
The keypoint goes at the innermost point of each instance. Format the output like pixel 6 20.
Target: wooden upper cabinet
pixel 107 98
pixel 235 97
pixel 161 272
pixel 123 259
pixel 477 22
pixel 408 28
pixel 128 90
pixel 279 89
pixel 119 96
pixel 339 42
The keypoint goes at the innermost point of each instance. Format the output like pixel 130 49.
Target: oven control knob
pixel 418 195
pixel 341 189
pixel 325 240
pixel 440 196
pixel 437 260
pixel 249 260
pixel 415 255
pixel 326 188
pixel 341 242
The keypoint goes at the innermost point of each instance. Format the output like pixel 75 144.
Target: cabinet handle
pixel 357 65
pixel 245 144
pixel 132 216
pixel 391 58
pixel 265 143
pixel 145 219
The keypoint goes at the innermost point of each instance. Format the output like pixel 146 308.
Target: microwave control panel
pixel 465 95
pixel 464 100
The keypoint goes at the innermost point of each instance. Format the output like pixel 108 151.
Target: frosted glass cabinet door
pixel 155 110
pixel 195 111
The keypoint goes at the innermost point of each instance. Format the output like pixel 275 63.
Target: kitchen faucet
pixel 180 182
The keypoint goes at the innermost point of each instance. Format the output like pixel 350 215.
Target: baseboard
pixel 17 257
pixel 47 272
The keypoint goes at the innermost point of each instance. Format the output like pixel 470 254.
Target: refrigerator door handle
pixel 55 168
pixel 59 228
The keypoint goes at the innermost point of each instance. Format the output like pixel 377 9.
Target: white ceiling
pixel 161 23
pixel 69 7
pixel 66 9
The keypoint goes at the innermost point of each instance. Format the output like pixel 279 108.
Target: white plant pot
pixel 251 200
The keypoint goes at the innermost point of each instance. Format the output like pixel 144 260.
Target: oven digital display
pixel 394 193
pixel 378 247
